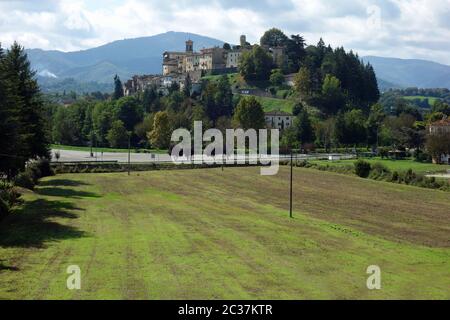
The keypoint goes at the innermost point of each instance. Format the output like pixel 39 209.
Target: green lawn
pixel 431 100
pixel 87 149
pixel 393 165
pixel 274 104
pixel 208 234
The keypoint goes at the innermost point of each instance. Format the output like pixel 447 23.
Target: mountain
pixel 410 72
pixel 124 57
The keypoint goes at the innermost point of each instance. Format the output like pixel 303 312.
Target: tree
pixel 102 117
pixel 118 89
pixel 295 52
pixel 350 127
pixel 332 96
pixel 255 64
pixel 187 86
pixel 249 114
pixel 325 133
pixel 303 128
pixel 160 135
pixel 289 139
pixel 25 109
pixel 149 96
pixel 217 99
pixel 129 110
pixel 276 78
pixel 401 132
pixel 9 129
pixel 440 106
pixel 118 135
pixel 226 46
pixel 142 129
pixel 274 38
pixel 376 118
pixel 302 82
pixel 438 145
pixel 224 97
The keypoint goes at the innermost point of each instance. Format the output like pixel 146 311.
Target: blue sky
pixel 393 28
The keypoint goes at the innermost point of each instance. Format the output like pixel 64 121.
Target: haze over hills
pixel 144 56
pixel 410 72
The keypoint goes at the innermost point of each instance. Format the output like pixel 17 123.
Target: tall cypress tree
pixel 25 107
pixel 118 89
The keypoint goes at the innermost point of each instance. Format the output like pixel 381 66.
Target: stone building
pixel 140 83
pixel 279 120
pixel 178 65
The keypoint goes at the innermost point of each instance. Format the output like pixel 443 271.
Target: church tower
pixel 189 46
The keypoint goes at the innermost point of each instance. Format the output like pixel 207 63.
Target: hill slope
pixel 410 72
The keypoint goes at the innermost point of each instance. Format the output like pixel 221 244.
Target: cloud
pixel 400 28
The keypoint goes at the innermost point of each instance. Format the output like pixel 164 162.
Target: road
pixel 84 156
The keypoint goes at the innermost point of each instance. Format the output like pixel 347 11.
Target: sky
pixel 389 28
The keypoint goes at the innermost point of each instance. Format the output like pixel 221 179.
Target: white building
pixel 279 120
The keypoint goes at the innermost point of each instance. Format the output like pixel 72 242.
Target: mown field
pixel 208 234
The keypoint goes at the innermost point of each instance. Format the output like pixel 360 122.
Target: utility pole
pixel 129 153
pixel 290 198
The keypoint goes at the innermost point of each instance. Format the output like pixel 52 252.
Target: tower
pixel 243 41
pixel 189 46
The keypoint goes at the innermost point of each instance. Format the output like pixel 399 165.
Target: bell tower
pixel 189 46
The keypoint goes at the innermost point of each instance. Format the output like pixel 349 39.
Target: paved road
pixel 84 156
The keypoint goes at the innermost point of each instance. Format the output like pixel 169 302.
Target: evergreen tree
pixel 9 137
pixel 24 98
pixel 118 88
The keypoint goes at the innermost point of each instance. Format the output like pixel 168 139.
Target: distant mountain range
pixel 403 73
pixel 124 57
pixel 144 56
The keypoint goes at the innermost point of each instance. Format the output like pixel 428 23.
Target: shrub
pixel 362 168
pixel 45 168
pixel 25 180
pixel 409 176
pixel 8 198
pixel 395 176
pixel 4 208
pixel 379 171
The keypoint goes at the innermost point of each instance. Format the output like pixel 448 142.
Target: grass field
pixel 274 104
pixel 208 234
pixel 431 100
pixel 393 165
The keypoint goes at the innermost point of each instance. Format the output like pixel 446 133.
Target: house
pixel 289 79
pixel 279 120
pixel 438 128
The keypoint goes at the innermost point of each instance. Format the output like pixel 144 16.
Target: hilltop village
pixel 190 66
